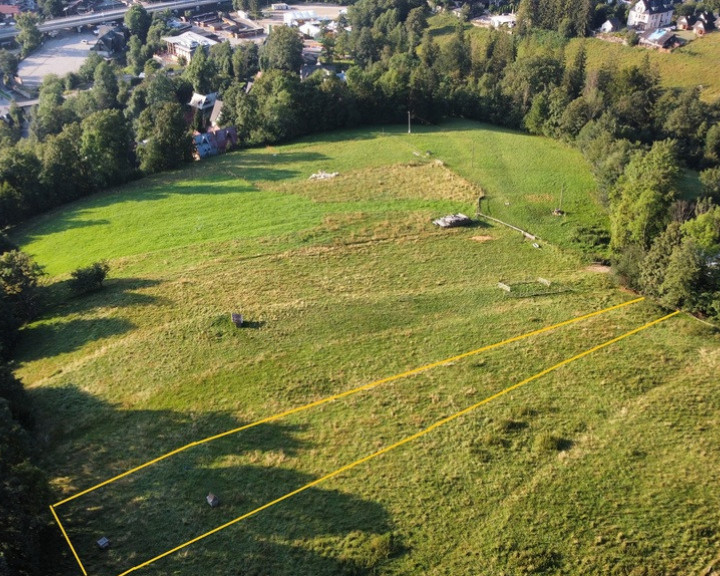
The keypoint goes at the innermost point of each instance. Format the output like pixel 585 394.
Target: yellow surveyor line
pixel 67 539
pixel 304 407
pixel 327 399
pixel 401 442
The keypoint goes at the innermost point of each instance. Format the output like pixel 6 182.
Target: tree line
pixel 25 535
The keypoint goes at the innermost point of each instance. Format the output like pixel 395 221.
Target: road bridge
pixel 92 18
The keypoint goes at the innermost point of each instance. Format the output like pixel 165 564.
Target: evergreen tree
pixel 29 36
pixel 105 87
pixel 201 72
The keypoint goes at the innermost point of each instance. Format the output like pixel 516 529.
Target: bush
pixel 89 279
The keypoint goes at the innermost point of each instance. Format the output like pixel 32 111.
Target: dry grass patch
pixel 430 181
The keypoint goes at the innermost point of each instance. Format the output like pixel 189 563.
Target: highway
pixel 91 18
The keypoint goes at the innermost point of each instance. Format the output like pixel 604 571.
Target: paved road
pixel 107 15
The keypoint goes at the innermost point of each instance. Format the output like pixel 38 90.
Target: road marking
pixel 345 394
pixel 402 442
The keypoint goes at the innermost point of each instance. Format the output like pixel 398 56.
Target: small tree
pixel 19 276
pixel 89 279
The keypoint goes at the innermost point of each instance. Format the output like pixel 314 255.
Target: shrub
pixel 88 279
pixel 19 279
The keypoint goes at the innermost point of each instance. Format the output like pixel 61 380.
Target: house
pixel 701 28
pixel 184 45
pixel 224 139
pixel 660 39
pixel 686 22
pixel 500 20
pixel 610 25
pixel 8 11
pixel 649 15
pixel 298 17
pixel 216 114
pixel 311 30
pixel 203 102
pixel 203 146
pixel 215 141
pixel 707 17
pixel 308 70
pixel 110 41
pixel 705 23
pixel 280 6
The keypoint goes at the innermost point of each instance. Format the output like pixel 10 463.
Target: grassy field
pixel 685 67
pixel 267 194
pixel 602 467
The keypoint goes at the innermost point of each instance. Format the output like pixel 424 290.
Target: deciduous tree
pixel 167 142
pixel 137 21
pixel 29 36
pixel 282 50
pixel 105 146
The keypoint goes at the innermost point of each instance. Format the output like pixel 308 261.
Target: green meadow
pixel 603 466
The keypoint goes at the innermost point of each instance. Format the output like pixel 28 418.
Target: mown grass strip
pixel 347 393
pixel 404 441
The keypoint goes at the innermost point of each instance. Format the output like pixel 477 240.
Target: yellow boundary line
pixel 304 407
pixel 67 538
pixel 403 441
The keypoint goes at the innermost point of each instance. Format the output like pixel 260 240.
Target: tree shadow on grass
pixel 48 339
pixel 59 299
pixel 318 531
pixel 51 335
pixel 228 174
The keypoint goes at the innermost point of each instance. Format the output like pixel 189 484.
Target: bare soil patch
pixel 482 238
pixel 599 268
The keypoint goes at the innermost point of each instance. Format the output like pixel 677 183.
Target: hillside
pixel 685 67
pixel 598 467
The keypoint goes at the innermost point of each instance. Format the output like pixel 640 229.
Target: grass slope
pixel 601 467
pixel 254 195
pixel 685 67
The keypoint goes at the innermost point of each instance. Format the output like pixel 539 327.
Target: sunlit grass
pixel 342 282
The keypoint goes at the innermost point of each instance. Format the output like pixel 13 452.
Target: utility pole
pixel 409 127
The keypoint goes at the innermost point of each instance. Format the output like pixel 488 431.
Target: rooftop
pixel 189 40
